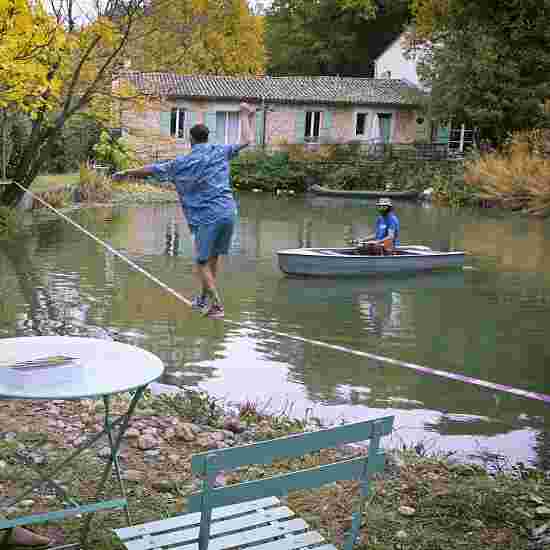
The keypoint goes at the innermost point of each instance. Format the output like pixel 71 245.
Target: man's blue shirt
pixel 384 224
pixel 202 181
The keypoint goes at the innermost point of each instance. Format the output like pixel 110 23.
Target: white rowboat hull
pixel 341 261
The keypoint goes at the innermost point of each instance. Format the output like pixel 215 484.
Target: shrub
pixel 9 222
pixel 517 177
pixel 94 187
pixel 114 153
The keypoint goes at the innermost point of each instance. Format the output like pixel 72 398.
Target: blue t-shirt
pixel 384 224
pixel 202 182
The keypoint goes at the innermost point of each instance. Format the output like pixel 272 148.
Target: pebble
pixel 402 535
pixel 132 432
pixel 233 425
pixel 407 511
pixel 104 452
pixel 185 432
pixel 134 475
pixel 26 503
pixel 3 464
pixel 543 511
pixel 146 442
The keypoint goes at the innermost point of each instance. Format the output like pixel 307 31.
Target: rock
pixel 537 532
pixel 134 475
pixel 10 436
pixel 233 425
pixel 148 412
pixel 38 459
pixel 402 535
pixel 536 499
pixel 542 511
pixel 170 433
pixel 165 485
pixel 26 503
pixel 78 441
pixel 407 511
pixel 204 440
pixel 152 453
pixel 173 458
pixel 132 432
pixel 3 464
pixel 196 429
pixel 146 442
pixel 217 436
pixel 477 524
pixel 185 432
pixel 104 452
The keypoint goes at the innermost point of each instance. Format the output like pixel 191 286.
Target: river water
pixel 489 321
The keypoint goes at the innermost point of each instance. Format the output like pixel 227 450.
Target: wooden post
pixel 462 131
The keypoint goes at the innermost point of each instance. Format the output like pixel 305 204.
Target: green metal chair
pixel 249 513
pixel 7 525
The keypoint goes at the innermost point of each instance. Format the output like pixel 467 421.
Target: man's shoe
pixel 215 311
pixel 199 302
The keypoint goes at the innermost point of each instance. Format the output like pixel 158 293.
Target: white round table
pixel 65 368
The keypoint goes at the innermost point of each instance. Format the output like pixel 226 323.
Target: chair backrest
pixel 209 464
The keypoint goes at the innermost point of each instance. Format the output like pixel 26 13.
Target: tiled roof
pixel 278 89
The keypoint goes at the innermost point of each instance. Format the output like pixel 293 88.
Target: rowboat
pixel 327 262
pixel 324 192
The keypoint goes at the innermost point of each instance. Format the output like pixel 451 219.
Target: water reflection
pixel 489 323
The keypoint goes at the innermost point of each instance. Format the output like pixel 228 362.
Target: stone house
pixel 304 110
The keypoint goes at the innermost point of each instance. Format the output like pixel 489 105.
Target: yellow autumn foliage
pixel 199 37
pixel 31 43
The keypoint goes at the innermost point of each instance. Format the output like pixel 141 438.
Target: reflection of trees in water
pixel 172 247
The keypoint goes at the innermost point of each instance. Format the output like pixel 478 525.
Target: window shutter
pixel 326 124
pixel 165 120
pixel 443 134
pixel 300 126
pixel 260 114
pixel 210 121
pixel 190 121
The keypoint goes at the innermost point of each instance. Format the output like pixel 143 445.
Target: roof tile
pixel 277 89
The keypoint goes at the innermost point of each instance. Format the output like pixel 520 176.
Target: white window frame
pixel 313 139
pixel 368 122
pixel 180 112
pixel 226 141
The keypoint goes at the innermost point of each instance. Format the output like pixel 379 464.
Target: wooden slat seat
pixel 249 514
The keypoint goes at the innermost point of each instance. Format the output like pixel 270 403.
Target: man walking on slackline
pixel 202 182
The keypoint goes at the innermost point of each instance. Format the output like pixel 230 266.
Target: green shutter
pixel 210 121
pixel 260 114
pixel 326 124
pixel 300 126
pixel 165 120
pixel 191 118
pixel 443 134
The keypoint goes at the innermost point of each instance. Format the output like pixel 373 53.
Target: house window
pixel 177 123
pixel 227 127
pixel 361 124
pixel 313 125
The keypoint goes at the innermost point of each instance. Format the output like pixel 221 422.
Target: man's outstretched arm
pixel 142 172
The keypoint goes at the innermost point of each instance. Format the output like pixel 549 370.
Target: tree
pixel 489 64
pixel 200 37
pixel 328 37
pixel 78 76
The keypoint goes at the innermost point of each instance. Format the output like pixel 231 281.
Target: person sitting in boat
pixel 386 237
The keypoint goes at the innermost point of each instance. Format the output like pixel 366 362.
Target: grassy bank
pixel 420 502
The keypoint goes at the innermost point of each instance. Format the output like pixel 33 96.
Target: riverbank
pixel 421 502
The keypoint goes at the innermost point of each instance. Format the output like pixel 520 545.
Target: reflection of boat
pixel 324 192
pixel 344 261
pixel 328 291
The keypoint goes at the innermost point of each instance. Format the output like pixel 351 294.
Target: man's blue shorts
pixel 213 239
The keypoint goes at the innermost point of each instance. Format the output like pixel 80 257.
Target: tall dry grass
pixel 518 176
